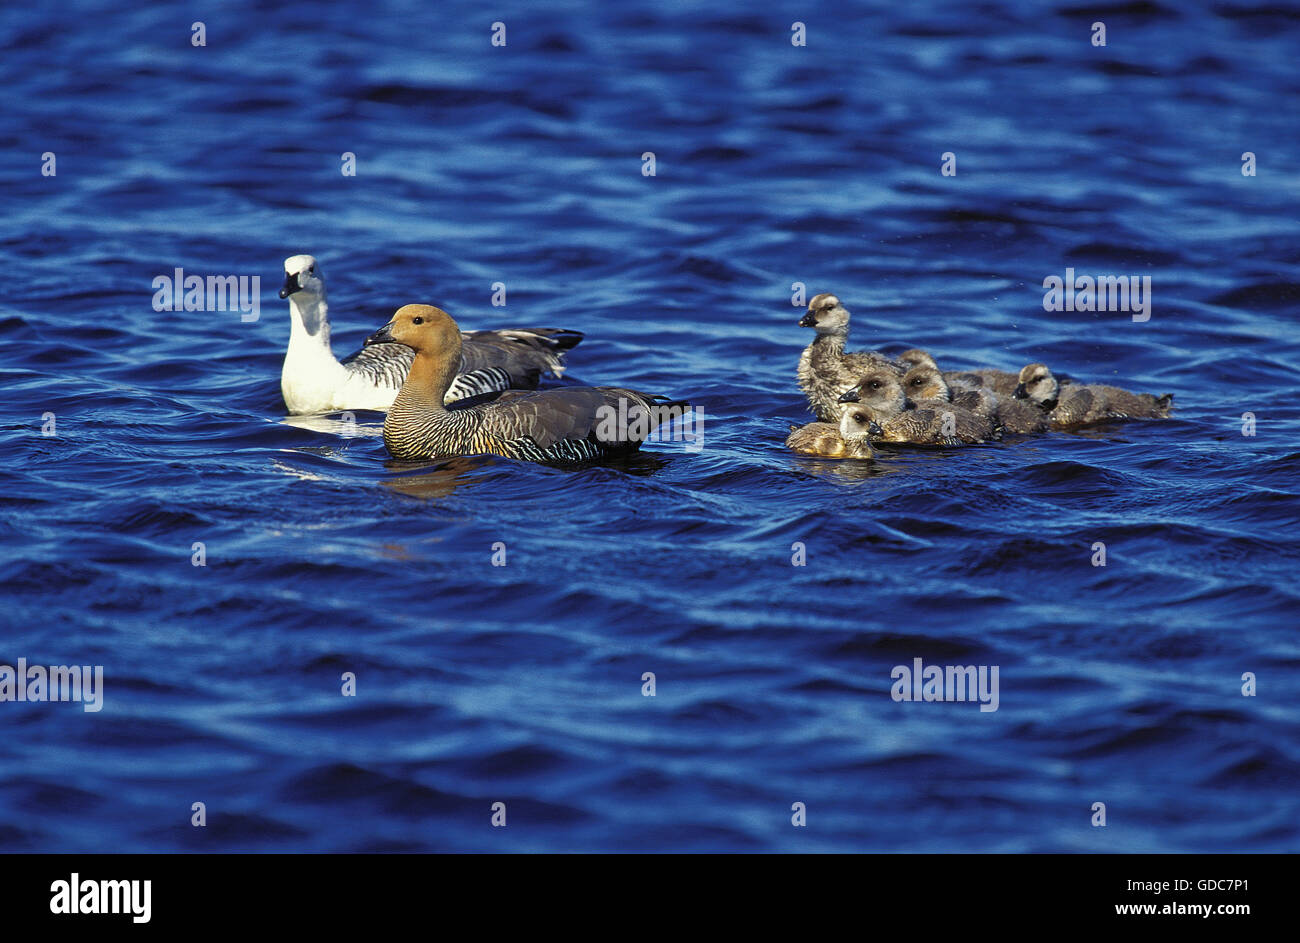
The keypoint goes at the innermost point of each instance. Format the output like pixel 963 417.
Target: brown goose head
pixel 1038 386
pixel 879 391
pixel 423 328
pixel 826 315
pixel 925 382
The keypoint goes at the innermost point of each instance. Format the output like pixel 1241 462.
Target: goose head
pixel 826 315
pixel 916 358
pixel 1038 386
pixel 879 391
pixel 925 382
pixel 302 274
pixel 856 424
pixel 423 328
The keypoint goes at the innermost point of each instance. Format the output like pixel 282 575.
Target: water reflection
pixel 436 478
pixel 439 477
pixel 347 428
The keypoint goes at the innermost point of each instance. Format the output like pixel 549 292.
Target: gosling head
pixel 879 391
pixel 423 328
pixel 925 382
pixel 916 358
pixel 302 274
pixel 1038 386
pixel 826 315
pixel 857 425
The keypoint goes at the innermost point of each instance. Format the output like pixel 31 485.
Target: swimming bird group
pixel 452 392
pixel 866 397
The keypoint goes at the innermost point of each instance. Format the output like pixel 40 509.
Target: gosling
pixel 1083 404
pixel 850 439
pixel 824 368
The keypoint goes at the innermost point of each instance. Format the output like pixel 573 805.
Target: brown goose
pixel 927 422
pixel 312 380
pixel 850 439
pixel 825 370
pixel 568 425
pixel 1081 404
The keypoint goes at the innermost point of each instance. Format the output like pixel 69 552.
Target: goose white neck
pixel 309 323
pixel 311 375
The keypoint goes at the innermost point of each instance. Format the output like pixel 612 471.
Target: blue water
pixel 522 683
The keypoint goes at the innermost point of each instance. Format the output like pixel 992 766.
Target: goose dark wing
pixel 551 416
pixel 382 364
pixel 524 354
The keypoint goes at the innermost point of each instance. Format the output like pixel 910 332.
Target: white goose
pixel 314 381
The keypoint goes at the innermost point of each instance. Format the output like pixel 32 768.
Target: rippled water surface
pixel 522 683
